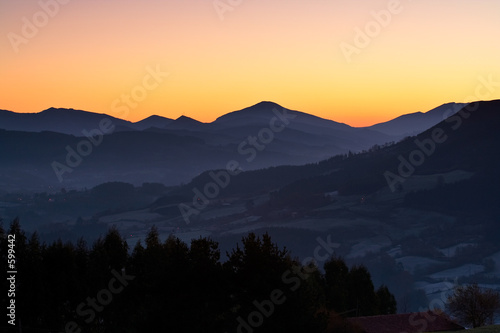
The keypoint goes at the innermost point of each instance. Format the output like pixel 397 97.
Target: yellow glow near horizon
pixel 91 53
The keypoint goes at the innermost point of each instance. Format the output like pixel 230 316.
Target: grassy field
pixel 484 329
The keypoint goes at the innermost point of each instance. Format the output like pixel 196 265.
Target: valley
pixel 420 238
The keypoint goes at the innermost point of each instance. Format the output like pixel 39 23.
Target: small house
pixel 407 323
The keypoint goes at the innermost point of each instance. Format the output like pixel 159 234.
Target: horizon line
pixel 261 102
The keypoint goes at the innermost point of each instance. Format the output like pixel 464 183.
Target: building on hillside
pixel 407 323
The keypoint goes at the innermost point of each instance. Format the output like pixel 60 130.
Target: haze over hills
pixel 415 123
pixel 71 121
pixel 249 167
pixel 418 213
pixel 171 152
pixel 159 149
pixel 467 141
pixel 66 121
pixel 397 209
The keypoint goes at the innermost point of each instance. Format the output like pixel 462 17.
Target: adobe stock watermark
pixel 103 298
pixel 427 146
pixel 152 80
pixel 372 29
pixel 223 6
pixel 221 179
pixel 31 27
pixel 293 279
pixel 425 316
pixel 95 137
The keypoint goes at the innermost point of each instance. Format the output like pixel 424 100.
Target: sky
pixel 358 62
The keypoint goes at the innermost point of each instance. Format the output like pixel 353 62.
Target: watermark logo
pixel 293 278
pixel 40 19
pixel 152 80
pixel 427 147
pixel 103 298
pixel 95 137
pixel 12 275
pixel 223 6
pixel 221 179
pixel 437 305
pixel 372 29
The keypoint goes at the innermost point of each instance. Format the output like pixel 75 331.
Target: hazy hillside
pixel 415 123
pixel 449 200
pixel 167 151
pixel 436 223
pixel 70 121
pixel 66 121
pixel 469 145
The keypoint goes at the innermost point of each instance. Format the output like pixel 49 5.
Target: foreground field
pixel 484 329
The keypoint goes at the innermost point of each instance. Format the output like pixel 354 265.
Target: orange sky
pixel 88 54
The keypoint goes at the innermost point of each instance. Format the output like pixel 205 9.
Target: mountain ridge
pixel 257 113
pixel 176 152
pixel 414 123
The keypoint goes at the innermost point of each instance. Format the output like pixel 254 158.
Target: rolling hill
pixel 163 150
pixel 415 123
pixel 436 223
pixel 158 149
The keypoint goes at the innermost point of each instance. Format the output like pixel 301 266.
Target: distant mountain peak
pixel 154 117
pixel 266 104
pixel 184 118
pixel 50 110
pixel 152 121
pixel 53 109
pixel 186 123
pixel 249 113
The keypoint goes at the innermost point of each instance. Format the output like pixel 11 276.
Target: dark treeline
pixel 171 286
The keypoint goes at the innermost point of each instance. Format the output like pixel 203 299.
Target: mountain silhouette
pixel 67 121
pixel 415 123
pixel 185 123
pixel 70 121
pixel 152 121
pixel 168 151
pixel 463 144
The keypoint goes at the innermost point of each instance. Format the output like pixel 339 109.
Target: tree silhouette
pixel 361 292
pixel 474 306
pixel 386 301
pixel 336 273
pixel 178 287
